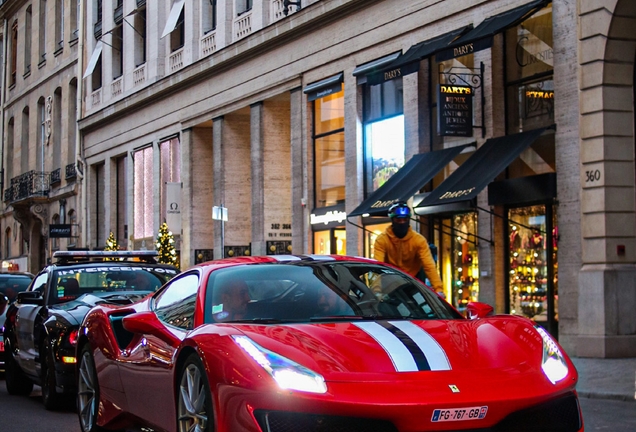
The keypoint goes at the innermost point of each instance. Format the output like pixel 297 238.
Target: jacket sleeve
pixel 428 263
pixel 379 248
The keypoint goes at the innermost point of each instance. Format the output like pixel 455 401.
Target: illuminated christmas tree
pixel 111 243
pixel 165 246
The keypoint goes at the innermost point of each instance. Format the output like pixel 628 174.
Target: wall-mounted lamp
pixel 288 3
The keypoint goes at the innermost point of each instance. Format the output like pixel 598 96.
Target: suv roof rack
pixel 141 255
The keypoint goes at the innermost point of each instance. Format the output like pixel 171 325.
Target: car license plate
pixel 1 346
pixel 458 414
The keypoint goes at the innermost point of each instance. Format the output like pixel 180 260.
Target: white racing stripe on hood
pixel 400 356
pixel 434 353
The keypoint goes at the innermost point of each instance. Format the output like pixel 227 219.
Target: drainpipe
pixel 80 166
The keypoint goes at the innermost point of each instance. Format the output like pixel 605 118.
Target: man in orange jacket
pixel 405 248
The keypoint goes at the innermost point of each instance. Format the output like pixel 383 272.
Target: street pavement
pixel 606 378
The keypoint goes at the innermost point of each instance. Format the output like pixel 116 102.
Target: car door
pixel 26 317
pixel 147 372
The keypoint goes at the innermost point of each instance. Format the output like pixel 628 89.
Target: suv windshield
pixel 315 291
pixel 70 283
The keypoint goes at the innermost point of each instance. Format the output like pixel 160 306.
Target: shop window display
pixel 529 264
pixel 465 269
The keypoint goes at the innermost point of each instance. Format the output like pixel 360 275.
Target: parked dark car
pixel 41 326
pixel 11 283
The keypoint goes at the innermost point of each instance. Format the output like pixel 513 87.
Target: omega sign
pixel 455 110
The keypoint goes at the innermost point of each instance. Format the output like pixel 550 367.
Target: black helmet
pixel 399 210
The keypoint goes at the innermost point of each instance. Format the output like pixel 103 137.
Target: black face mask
pixel 400 230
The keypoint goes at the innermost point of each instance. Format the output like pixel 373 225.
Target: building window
pixel 14 51
pixel 99 211
pixel 208 15
pixel 140 37
pixel 23 242
pixel 529 73
pixel 118 51
pixel 329 150
pixel 24 141
pixel 75 9
pixel 383 132
pixel 243 6
pixel 121 229
pixel 9 153
pixel 530 91
pixel 42 31
pixel 59 23
pixel 143 203
pixel 72 119
pixel 96 76
pixel 170 152
pixel 177 36
pixel 28 31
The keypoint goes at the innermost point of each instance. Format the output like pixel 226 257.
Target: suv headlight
pixel 553 364
pixel 288 374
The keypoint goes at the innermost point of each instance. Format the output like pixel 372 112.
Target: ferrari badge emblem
pixel 454 388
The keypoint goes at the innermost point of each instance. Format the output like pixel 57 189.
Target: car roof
pixel 16 274
pixel 228 262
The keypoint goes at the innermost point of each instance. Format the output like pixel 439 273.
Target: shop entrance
pixel 330 242
pixel 456 243
pixel 532 265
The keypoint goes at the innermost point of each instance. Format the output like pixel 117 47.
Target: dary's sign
pixel 455 110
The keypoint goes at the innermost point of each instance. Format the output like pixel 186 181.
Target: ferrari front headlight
pixel 553 364
pixel 288 374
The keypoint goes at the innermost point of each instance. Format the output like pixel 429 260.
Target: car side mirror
pixel 30 297
pixel 475 310
pixel 148 323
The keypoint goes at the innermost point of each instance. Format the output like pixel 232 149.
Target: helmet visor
pixel 400 212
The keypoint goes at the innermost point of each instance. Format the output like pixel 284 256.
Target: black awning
pixel 324 87
pixel 409 179
pixel 481 168
pixel 409 62
pixel 481 36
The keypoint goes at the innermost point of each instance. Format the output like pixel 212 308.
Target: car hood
pixel 509 348
pixel 74 311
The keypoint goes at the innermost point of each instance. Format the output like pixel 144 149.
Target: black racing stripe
pixel 416 352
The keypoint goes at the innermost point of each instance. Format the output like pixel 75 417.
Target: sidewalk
pixel 603 378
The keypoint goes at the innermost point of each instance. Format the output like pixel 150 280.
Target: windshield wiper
pixel 352 318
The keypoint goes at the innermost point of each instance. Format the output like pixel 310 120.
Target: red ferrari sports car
pixel 316 344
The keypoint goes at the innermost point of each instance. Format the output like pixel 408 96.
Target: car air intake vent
pixel 279 421
pixel 559 415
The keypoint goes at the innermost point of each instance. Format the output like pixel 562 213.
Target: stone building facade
pixel 40 178
pixel 294 119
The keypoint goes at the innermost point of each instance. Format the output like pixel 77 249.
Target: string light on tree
pixel 165 246
pixel 111 243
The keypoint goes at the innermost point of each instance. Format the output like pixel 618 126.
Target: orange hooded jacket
pixel 410 253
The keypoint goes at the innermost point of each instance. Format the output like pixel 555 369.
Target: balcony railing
pixel 56 176
pixel 71 173
pixel 243 25
pixel 28 185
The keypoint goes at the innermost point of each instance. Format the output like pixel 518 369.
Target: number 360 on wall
pixel 592 177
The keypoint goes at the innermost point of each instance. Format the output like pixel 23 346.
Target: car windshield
pixel 71 283
pixel 11 285
pixel 319 291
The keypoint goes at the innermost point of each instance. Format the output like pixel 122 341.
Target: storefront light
pixel 459 253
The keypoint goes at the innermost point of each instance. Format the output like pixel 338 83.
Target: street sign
pixel 219 213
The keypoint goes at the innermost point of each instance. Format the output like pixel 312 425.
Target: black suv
pixel 41 326
pixel 11 283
